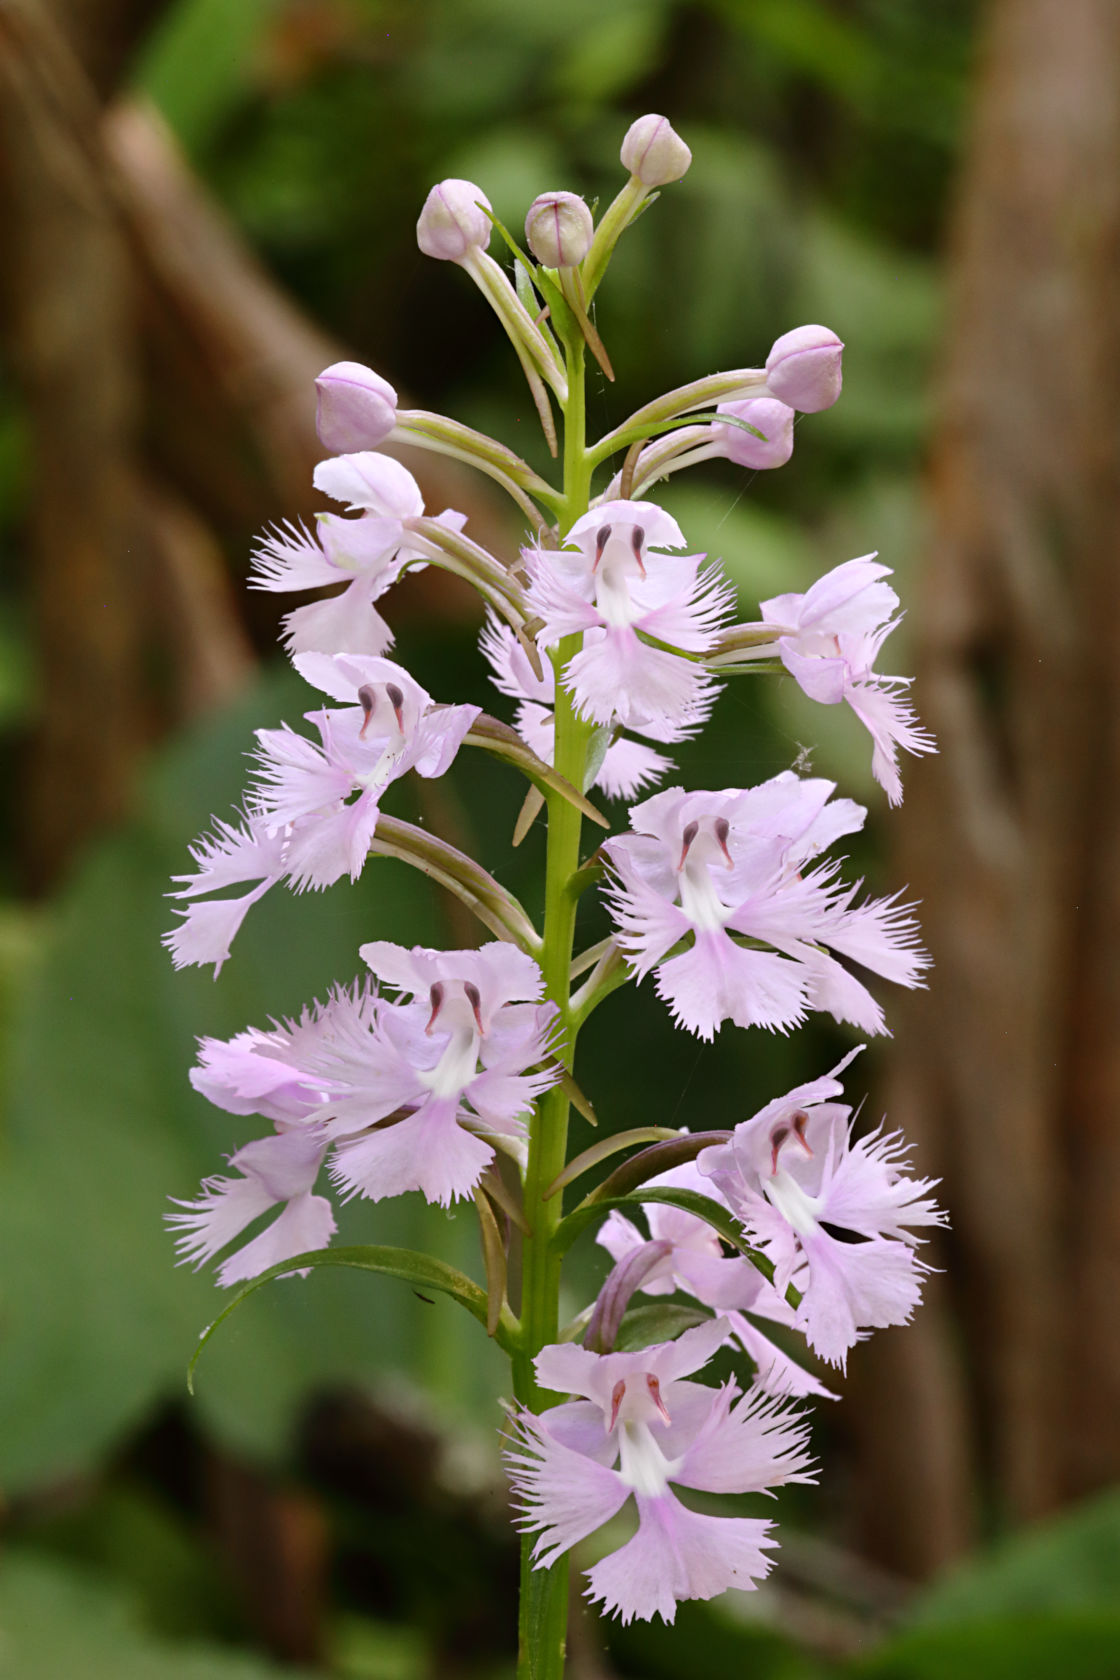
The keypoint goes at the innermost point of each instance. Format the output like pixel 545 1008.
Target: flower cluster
pixel 613 642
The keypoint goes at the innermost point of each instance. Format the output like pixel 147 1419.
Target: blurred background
pixel 204 202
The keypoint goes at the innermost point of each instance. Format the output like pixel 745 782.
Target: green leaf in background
pixel 102 1127
pixel 1061 1645
pixel 197 65
pixel 1070 1562
pixel 1043 1604
pixel 57 1622
pixel 420 1270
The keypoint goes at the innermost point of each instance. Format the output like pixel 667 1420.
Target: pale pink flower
pixel 654 151
pixel 559 229
pixel 708 866
pixel 627 766
pixel 329 794
pixel 232 855
pixel 686 1255
pixel 833 1215
pixel 829 639
pixel 313 806
pixel 804 368
pixel 366 554
pixel 259 1071
pixel 641 1430
pixel 272 1170
pixel 356 408
pixel 609 578
pixel 768 416
pixel 414 1091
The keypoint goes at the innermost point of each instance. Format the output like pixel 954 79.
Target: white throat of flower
pixel 636 1408
pixel 384 706
pixel 619 558
pixel 797 1207
pixel 703 848
pixel 456 1007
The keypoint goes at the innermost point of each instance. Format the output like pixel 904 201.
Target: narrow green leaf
pixel 420 1270
pixel 671 1151
pixel 498 738
pixel 494 1259
pixel 494 906
pixel 661 1321
pixel 531 809
pixel 578 1099
pixel 689 1201
pixel 604 1149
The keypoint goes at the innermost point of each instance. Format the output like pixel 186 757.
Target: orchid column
pixel 433 1070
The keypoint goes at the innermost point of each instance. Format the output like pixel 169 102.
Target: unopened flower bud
pixel 453 223
pixel 654 151
pixel 357 408
pixel 559 229
pixel 803 368
pixel 768 416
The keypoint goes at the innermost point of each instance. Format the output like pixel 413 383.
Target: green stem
pixel 544 1593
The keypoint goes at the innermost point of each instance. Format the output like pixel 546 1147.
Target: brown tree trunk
pixel 1009 1071
pixel 169 390
pixel 72 326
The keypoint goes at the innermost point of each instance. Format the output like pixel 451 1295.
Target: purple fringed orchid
pixel 683 1253
pixel 707 866
pixel 832 1214
pixel 258 1072
pixel 366 554
pixel 313 807
pixel 607 578
pixel 627 765
pixel 829 639
pixel 271 1170
pixel 640 1429
pixel 414 1093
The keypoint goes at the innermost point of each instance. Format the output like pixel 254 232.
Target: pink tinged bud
pixel 452 224
pixel 803 368
pixel 772 418
pixel 559 229
pixel 654 151
pixel 357 408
